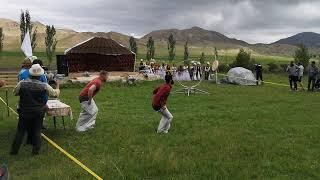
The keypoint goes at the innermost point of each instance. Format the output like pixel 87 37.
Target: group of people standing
pixel 194 71
pixel 296 72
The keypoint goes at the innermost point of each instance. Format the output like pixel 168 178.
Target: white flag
pixel 26 45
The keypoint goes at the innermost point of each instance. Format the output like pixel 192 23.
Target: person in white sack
pixel 88 115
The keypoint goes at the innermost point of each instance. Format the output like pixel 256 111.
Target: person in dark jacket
pixel 159 101
pixel 32 107
pixel 293 72
pixel 312 75
pixel 258 69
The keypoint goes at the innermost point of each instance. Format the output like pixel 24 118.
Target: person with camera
pixel 32 108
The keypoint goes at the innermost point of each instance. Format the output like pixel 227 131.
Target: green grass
pixel 10 59
pixel 235 132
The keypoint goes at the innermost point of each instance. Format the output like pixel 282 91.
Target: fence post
pixel 7 102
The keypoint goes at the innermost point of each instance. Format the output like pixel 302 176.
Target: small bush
pixel 272 67
pixel 224 67
pixel 283 67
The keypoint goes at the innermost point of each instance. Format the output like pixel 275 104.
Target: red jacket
pixel 160 96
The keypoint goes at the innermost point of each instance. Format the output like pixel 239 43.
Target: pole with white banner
pixel 26 45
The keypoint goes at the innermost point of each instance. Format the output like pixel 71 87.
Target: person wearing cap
pixel 159 104
pixel 24 73
pixel 32 108
pixel 88 115
pixel 207 71
pixel 198 71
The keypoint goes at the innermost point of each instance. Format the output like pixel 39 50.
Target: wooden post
pixel 7 102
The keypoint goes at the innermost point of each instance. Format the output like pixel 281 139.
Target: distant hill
pixel 66 37
pixel 197 37
pixel 310 39
pixel 199 40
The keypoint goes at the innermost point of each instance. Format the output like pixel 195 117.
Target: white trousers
pixel 165 121
pixel 87 117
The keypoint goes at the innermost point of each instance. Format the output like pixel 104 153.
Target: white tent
pixel 241 76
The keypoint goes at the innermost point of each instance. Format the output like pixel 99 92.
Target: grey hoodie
pixel 313 71
pixel 293 70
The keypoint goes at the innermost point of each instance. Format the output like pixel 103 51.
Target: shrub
pixel 224 67
pixel 283 67
pixel 272 67
pixel 243 59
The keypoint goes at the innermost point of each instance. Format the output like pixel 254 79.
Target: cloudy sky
pixel 250 20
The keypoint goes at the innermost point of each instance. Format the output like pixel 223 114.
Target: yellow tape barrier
pixel 60 149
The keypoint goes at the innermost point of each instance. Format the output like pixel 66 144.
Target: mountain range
pixel 197 37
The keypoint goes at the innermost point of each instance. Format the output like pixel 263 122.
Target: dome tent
pixel 241 76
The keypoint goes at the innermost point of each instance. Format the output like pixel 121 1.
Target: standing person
pixel 159 101
pixel 293 71
pixel 24 74
pixel 88 115
pixel 32 107
pixel 168 69
pixel 312 72
pixel 198 71
pixel 301 70
pixel 207 71
pixel 258 69
pixel 191 70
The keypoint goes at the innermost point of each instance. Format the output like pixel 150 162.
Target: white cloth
pixel 164 124
pixel 301 69
pixel 87 117
pixel 182 76
pixel 26 45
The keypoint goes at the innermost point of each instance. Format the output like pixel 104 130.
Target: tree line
pixel 27 26
pixel 171 47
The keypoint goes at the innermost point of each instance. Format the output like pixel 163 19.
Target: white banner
pixel 26 45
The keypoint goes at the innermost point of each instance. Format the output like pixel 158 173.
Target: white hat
pixel 36 70
pixel 208 63
pixel 199 63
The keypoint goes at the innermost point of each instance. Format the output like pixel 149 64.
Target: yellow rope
pixel 60 149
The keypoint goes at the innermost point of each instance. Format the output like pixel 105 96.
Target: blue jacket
pixel 24 74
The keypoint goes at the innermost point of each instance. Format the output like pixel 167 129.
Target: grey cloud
pixel 250 20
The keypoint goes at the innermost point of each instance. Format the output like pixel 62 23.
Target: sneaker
pixel 4 173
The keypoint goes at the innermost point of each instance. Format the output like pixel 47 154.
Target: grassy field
pixel 235 132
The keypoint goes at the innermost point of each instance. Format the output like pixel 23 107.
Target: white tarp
pixel 241 76
pixel 26 45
